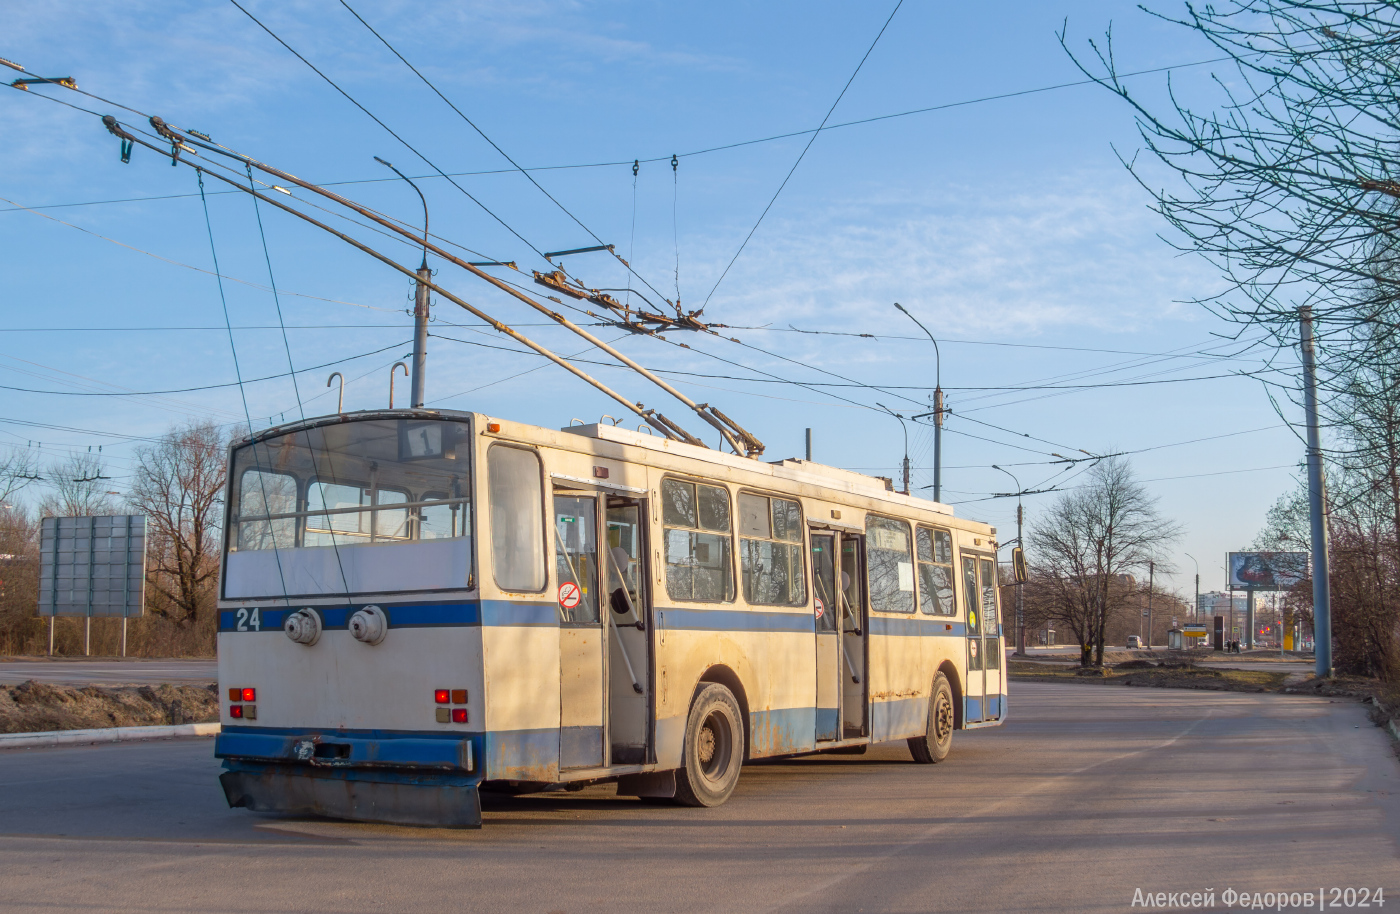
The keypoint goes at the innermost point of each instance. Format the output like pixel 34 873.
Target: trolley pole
pixel 1317 507
pixel 809 445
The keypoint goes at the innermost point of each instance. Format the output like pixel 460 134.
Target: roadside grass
pixel 1144 673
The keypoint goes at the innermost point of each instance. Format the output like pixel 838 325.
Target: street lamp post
pixel 1020 586
pixel 1196 609
pixel 937 408
pixel 420 302
pixel 904 467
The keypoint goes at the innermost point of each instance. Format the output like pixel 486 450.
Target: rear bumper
pixel 373 776
pixel 367 795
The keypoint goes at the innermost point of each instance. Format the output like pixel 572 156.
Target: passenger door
pixel 853 628
pixel 974 699
pixel 581 634
pixel 991 641
pixel 826 608
pixel 629 632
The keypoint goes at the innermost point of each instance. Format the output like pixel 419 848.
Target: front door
pixel 852 624
pixel 975 698
pixel 991 640
pixel 581 634
pixel 628 633
pixel 826 607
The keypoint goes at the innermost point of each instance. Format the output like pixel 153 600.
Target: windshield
pixel 358 507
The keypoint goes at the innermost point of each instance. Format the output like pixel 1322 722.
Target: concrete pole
pixel 1020 590
pixel 1317 507
pixel 938 444
pixel 1151 570
pixel 1249 619
pixel 420 335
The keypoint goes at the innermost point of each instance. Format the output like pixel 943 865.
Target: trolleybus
pixel 415 603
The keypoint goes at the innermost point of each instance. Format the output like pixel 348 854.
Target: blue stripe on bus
pixel 410 615
pixel 914 625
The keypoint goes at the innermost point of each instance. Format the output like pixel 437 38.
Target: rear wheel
pixel 937 741
pixel 714 749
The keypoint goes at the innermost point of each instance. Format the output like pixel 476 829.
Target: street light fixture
pixel 937 407
pixel 1020 587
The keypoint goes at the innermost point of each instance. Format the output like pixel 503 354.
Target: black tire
pixel 714 749
pixel 934 746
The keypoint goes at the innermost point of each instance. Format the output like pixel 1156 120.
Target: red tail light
pixel 235 711
pixel 442 696
pixel 459 715
pixel 250 694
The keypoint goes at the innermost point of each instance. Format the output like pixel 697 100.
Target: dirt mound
pixel 1135 665
pixel 36 706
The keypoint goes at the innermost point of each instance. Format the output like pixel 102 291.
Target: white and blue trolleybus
pixel 416 603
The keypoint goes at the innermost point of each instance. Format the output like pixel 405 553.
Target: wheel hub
pixel 943 719
pixel 705 745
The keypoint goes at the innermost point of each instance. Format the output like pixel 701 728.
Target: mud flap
pixel 363 796
pixel 659 784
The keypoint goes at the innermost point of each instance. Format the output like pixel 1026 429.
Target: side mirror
pixel 1018 564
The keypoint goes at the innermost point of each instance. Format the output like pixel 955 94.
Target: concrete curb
pixel 106 735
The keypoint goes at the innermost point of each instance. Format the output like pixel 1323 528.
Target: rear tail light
pixel 459 715
pixel 459 696
pixel 235 694
pixel 235 711
pixel 442 696
pixel 250 694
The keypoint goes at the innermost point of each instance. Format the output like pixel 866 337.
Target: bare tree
pixel 80 487
pixel 18 470
pixel 179 486
pixel 1088 545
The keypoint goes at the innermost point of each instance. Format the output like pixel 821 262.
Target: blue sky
pixel 1008 226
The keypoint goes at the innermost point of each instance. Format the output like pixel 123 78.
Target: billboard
pixel 1267 570
pixel 93 566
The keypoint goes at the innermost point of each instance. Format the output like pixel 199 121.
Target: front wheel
pixel 714 749
pixel 937 741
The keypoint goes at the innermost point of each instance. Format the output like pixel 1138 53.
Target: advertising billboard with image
pixel 1267 570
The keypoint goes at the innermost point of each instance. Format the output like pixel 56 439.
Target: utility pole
pixel 1151 569
pixel 904 465
pixel 937 408
pixel 1317 507
pixel 420 305
pixel 1020 589
pixel 1020 585
pixel 809 445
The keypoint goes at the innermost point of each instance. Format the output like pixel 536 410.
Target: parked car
pixel 1134 642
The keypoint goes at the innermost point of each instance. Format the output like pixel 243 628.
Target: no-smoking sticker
pixel 818 607
pixel 569 595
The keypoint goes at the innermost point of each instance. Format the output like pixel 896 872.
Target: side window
pixel 517 518
pixel 770 550
pixel 891 565
pixel 935 552
pixel 970 600
pixel 697 530
pixel 264 494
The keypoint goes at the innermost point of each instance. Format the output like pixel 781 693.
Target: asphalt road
pixel 108 672
pixel 1088 794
